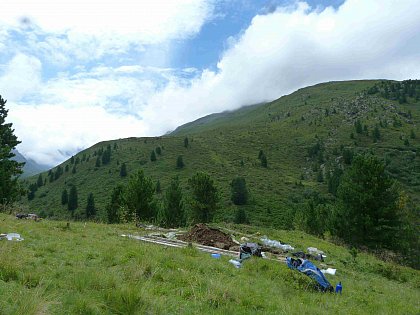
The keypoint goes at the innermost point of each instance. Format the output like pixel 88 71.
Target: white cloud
pixel 52 133
pixel 76 112
pixel 20 77
pixel 294 47
pixel 90 29
pixel 279 52
pixel 147 20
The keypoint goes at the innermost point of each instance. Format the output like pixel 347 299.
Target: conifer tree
pixel 73 199
pixel 123 170
pixel 264 161
pixel 58 172
pixel 9 169
pixel 358 126
pixel 205 197
pixel 138 197
pixel 186 142
pixel 106 155
pixel 172 212
pixel 115 205
pixel 376 134
pixel 153 156
pixel 32 189
pixel 368 209
pixel 40 181
pixel 239 191
pixel 98 162
pixel 64 197
pixel 90 206
pixel 333 180
pixel 180 162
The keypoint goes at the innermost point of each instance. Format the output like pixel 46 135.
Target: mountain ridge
pixel 227 145
pixel 31 167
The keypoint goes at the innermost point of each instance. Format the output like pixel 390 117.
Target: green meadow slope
pixel 227 145
pixel 89 268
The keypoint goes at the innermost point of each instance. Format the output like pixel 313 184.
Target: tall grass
pixel 91 269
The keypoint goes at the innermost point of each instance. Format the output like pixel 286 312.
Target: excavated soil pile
pixel 202 234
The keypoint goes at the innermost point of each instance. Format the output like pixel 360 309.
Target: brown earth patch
pixel 204 235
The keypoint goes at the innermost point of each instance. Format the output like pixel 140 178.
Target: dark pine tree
pixel 186 142
pixel 32 190
pixel 358 126
pixel 9 169
pixel 205 197
pixel 172 213
pixel 138 197
pixel 64 197
pixel 90 206
pixel 106 155
pixel 117 200
pixel 58 172
pixel 72 202
pixel 180 162
pixel 368 204
pixel 239 191
pixel 376 134
pixel 153 156
pixel 40 181
pixel 123 170
pixel 264 161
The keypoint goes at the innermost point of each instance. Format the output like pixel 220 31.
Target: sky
pixel 76 72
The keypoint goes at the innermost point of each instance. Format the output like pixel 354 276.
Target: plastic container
pixel 215 255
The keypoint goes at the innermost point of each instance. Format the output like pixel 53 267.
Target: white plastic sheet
pixel 314 251
pixel 277 244
pixel 236 263
pixel 329 271
pixel 12 237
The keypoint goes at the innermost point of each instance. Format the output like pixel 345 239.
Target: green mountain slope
pixel 31 167
pixel 304 135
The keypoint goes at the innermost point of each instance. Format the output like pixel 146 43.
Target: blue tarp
pixel 309 269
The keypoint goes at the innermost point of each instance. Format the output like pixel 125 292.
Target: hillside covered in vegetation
pixel 289 155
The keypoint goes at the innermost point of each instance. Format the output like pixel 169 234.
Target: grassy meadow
pixel 89 268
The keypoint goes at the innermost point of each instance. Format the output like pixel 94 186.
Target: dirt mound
pixel 202 234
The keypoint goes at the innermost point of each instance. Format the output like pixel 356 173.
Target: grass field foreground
pixel 90 269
